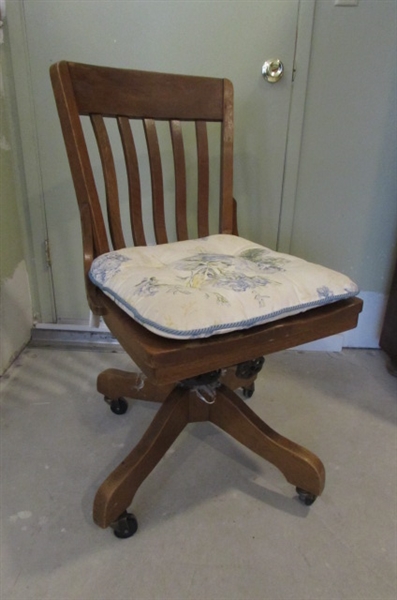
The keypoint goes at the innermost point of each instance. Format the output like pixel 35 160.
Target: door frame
pixel 33 206
pixel 304 33
pixel 32 201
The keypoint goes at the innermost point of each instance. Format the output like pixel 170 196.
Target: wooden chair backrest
pixel 120 94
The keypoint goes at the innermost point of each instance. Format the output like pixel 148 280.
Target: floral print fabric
pixel 217 284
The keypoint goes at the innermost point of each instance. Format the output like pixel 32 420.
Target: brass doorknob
pixel 273 70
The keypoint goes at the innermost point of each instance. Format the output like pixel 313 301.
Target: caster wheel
pixel 305 497
pixel 125 526
pixel 249 391
pixel 119 406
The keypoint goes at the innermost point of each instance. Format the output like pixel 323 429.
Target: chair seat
pixel 217 284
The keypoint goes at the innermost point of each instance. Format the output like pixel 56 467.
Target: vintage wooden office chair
pixel 194 314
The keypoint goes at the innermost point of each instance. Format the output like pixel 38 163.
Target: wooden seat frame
pixel 166 364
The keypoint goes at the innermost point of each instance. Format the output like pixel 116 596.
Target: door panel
pixel 215 38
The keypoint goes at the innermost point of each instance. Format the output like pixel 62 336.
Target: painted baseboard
pixel 370 322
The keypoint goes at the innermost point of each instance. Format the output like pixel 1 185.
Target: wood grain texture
pixel 117 491
pixel 226 217
pixel 299 466
pixel 165 360
pixel 123 94
pixel 103 92
pixel 110 178
pixel 203 179
pixel 134 182
pixel 79 160
pixel 140 94
pixel 180 180
pixel 156 178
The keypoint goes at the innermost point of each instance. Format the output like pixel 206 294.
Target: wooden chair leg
pixel 117 491
pixel 114 383
pixel 300 467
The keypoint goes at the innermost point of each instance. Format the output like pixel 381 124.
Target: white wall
pixel 15 300
pixel 346 199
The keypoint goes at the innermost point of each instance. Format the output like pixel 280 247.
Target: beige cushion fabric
pixel 221 283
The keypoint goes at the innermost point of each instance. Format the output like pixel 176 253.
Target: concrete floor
pixel 215 521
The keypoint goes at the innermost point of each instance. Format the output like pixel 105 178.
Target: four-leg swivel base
pixel 186 403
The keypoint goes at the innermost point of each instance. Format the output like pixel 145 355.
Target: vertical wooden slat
pixel 180 180
pixel 156 177
pixel 203 178
pixel 226 207
pixel 134 185
pixel 235 226
pixel 79 160
pixel 109 174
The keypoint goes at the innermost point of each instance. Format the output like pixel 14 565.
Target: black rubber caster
pixel 119 406
pixel 305 497
pixel 246 370
pixel 248 392
pixel 125 526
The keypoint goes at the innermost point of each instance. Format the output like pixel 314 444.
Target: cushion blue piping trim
pixel 197 333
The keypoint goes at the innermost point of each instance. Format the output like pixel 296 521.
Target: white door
pixel 222 38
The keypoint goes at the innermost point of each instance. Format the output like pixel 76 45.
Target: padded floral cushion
pixel 217 284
